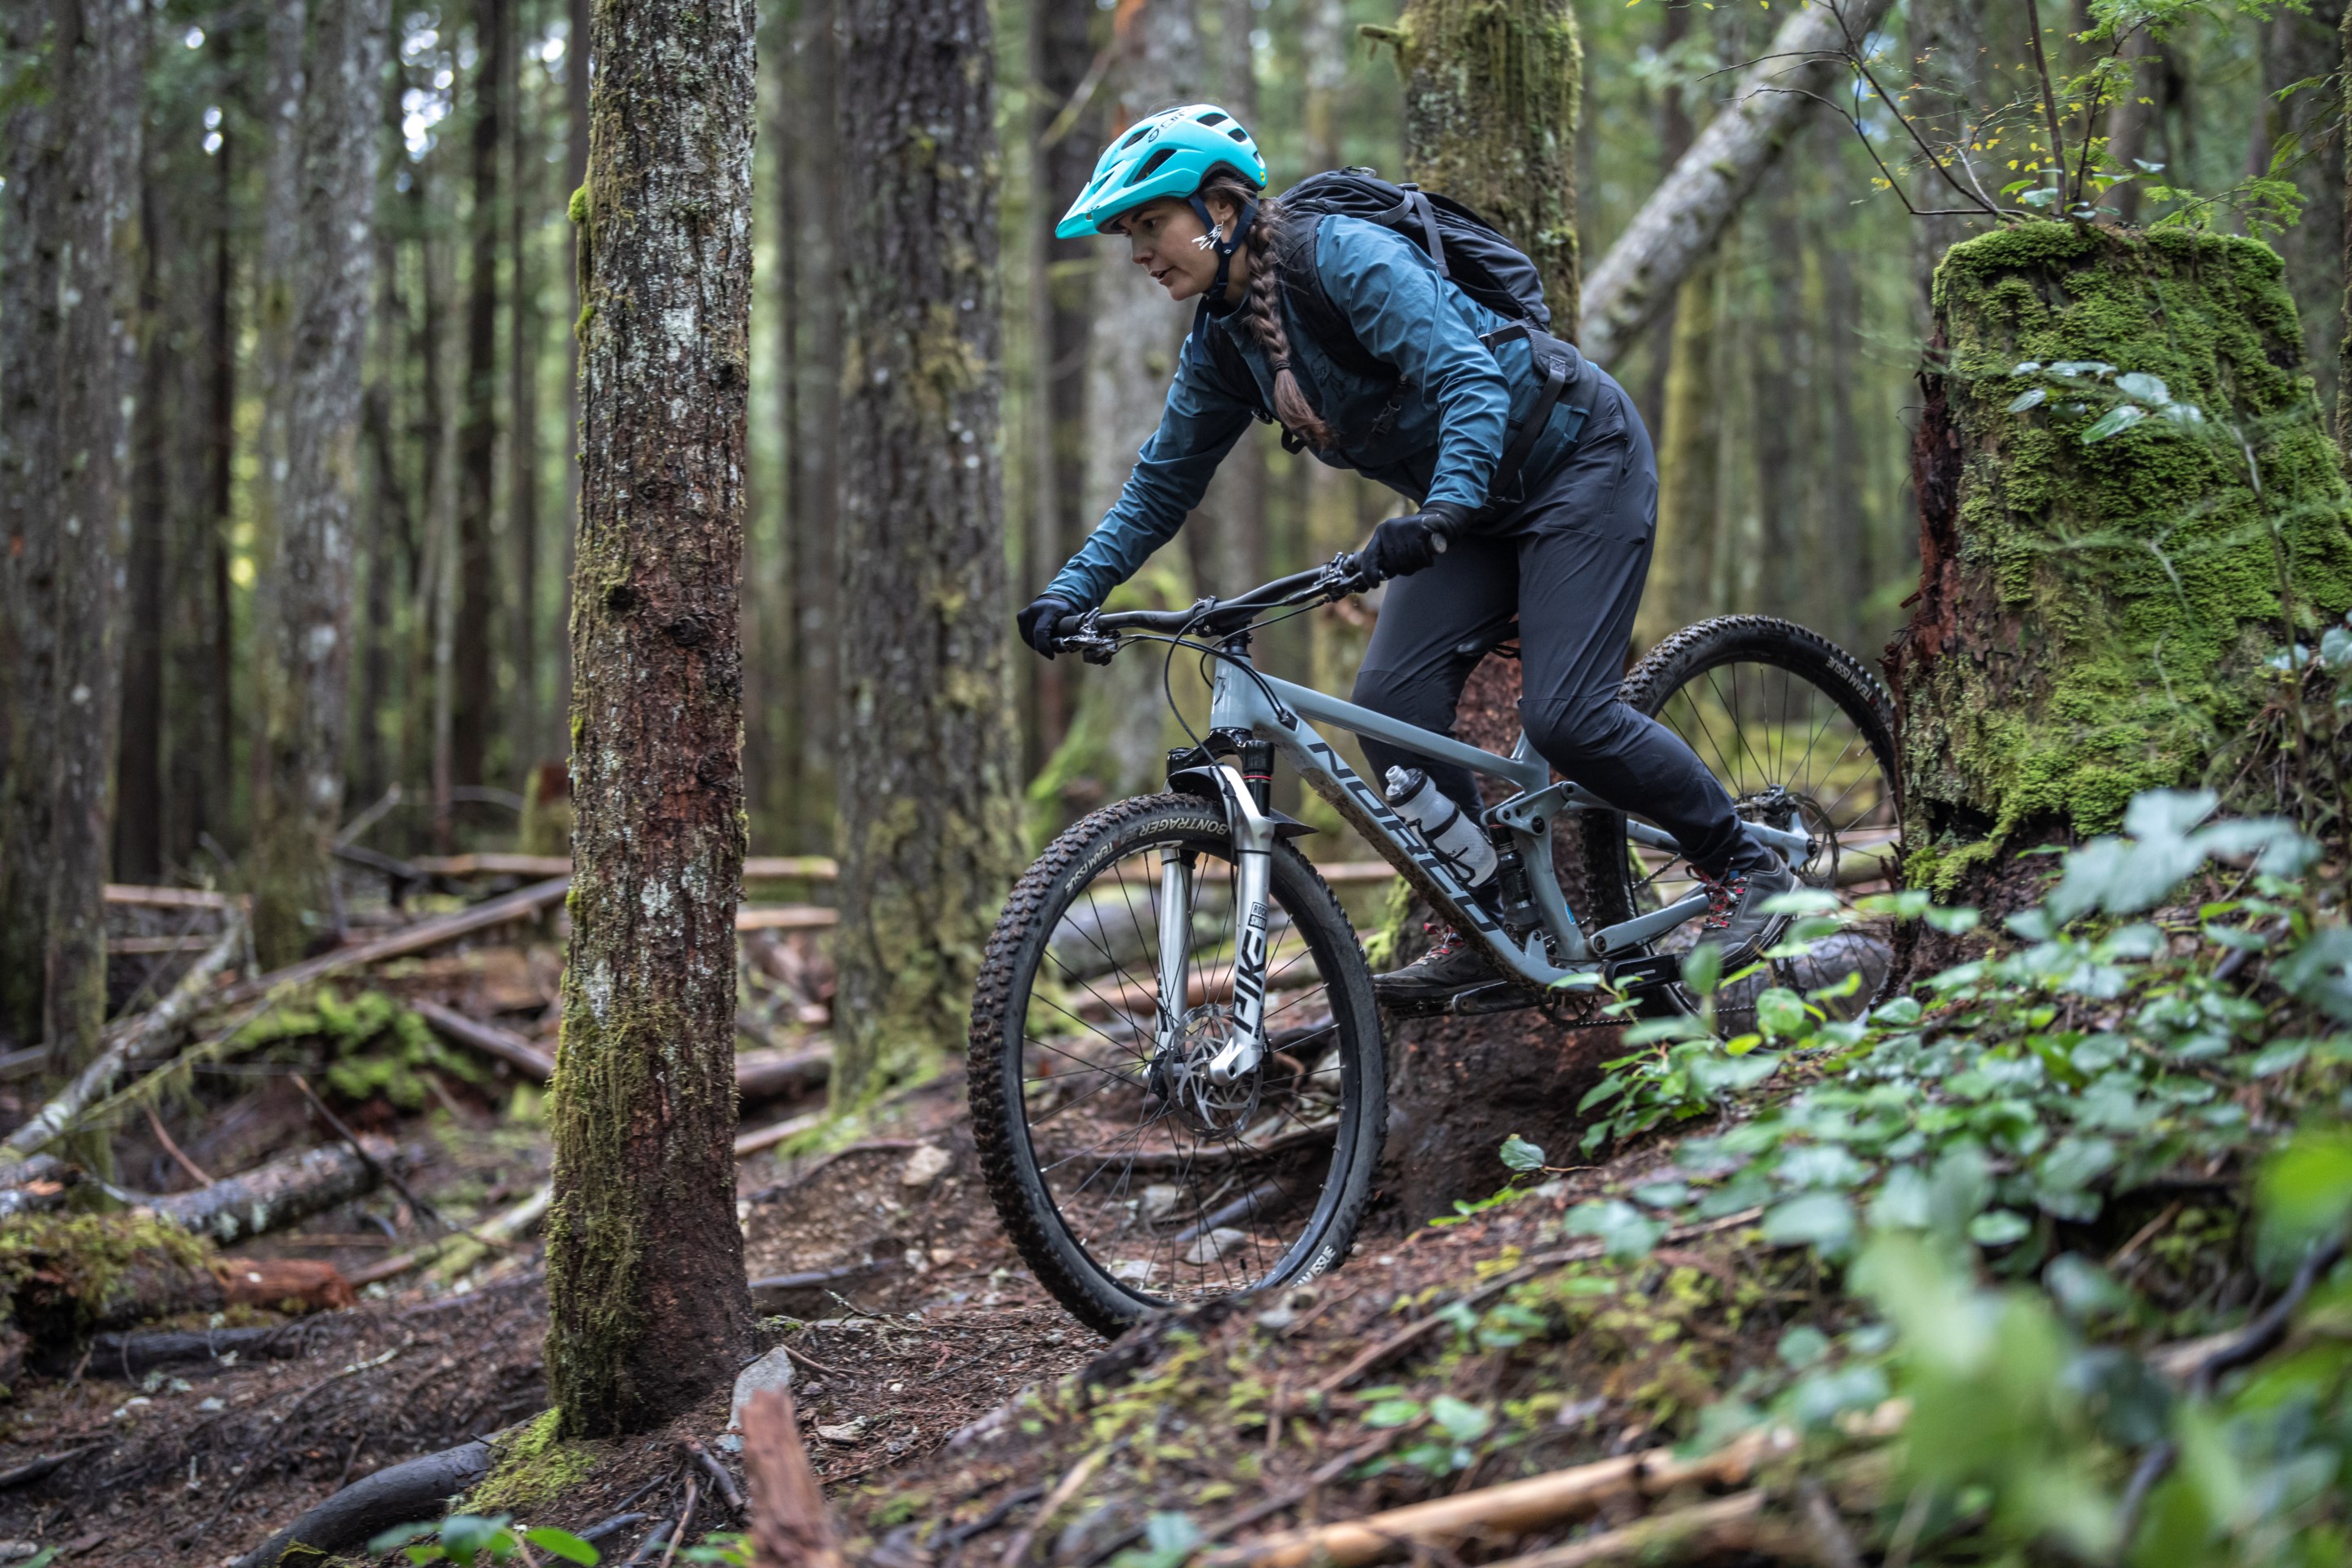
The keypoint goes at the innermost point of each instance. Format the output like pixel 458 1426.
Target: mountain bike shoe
pixel 1735 920
pixel 1436 977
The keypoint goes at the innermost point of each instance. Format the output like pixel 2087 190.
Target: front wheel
pixel 1127 1179
pixel 1802 737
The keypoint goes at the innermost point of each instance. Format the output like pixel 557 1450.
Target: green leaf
pixel 2114 422
pixel 2306 1190
pixel 1625 1235
pixel 564 1544
pixel 1900 1014
pixel 1701 968
pixel 1393 1413
pixel 1780 1012
pixel 1520 1155
pixel 1822 1221
pixel 1803 1346
pixel 1951 919
pixel 399 1536
pixel 2027 368
pixel 2033 398
pixel 1999 1227
pixel 2141 387
pixel 1462 1421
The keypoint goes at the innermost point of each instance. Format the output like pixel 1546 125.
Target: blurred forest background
pixel 1780 386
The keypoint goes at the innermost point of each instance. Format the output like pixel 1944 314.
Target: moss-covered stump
pixel 2097 610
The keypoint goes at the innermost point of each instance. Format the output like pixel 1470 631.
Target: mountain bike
pixel 1176 1065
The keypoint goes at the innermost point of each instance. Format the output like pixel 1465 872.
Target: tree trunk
pixel 813 487
pixel 647 1303
pixel 138 850
pixel 1490 111
pixel 66 362
pixel 1948 103
pixel 1682 571
pixel 1237 494
pixel 2094 621
pixel 928 834
pixel 525 183
pixel 327 60
pixel 577 63
pixel 474 716
pixel 1681 222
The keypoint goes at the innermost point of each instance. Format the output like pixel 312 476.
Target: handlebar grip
pixel 1069 625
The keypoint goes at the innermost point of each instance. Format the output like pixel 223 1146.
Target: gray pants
pixel 1567 566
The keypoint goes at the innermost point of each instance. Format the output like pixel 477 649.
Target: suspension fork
pixel 1254 836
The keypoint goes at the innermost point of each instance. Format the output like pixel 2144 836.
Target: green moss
pixel 577 210
pixel 380 1048
pixel 2097 617
pixel 529 1465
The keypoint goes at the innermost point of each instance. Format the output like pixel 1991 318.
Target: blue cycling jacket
pixel 1459 403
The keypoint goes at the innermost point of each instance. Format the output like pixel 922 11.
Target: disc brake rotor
pixel 1178 1075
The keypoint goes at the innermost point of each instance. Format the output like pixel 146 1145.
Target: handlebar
pixel 1093 632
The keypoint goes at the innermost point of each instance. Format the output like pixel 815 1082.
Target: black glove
pixel 1037 621
pixel 1404 545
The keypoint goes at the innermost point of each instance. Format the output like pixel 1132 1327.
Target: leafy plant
pixel 467 1538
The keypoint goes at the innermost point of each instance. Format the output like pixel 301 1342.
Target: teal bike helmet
pixel 1169 154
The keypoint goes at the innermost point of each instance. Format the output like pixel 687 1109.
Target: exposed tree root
pixel 399 1494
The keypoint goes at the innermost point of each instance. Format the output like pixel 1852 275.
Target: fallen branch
pixel 131 1356
pixel 768 1137
pixel 1512 1509
pixel 384 1172
pixel 524 903
pixel 32 1469
pixel 790 1525
pixel 498 1232
pixel 133 1040
pixel 728 1492
pixel 1735 1523
pixel 1016 1550
pixel 504 1045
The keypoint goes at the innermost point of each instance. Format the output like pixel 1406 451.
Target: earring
pixel 1209 241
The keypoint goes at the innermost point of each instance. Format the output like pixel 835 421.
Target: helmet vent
pixel 1151 165
pixel 1137 134
pixel 1238 135
pixel 1215 117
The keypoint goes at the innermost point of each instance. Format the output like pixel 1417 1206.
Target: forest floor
pixel 2045 1255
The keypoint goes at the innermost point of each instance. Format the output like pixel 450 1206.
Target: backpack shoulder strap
pixel 1302 287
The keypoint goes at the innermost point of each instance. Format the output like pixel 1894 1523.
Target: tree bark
pixel 928 837
pixel 2094 621
pixel 327 67
pixel 1679 224
pixel 647 1306
pixel 525 186
pixel 1490 113
pixel 474 716
pixel 66 362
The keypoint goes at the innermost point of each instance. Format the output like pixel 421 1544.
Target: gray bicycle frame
pixel 1276 711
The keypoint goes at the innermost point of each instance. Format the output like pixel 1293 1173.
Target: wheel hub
pixel 1178 1075
pixel 1777 808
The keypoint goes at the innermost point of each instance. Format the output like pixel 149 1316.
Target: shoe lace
pixel 1448 939
pixel 1723 895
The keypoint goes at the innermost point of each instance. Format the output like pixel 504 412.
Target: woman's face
pixel 1163 238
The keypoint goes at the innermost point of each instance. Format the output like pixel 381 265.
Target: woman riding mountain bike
pixel 1551 529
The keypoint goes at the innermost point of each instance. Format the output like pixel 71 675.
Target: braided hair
pixel 1261 308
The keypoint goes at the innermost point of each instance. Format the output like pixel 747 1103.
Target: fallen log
pixel 275 1195
pixel 790 1525
pixel 504 1045
pixel 131 1355
pixel 774 1070
pixel 396 1495
pixel 82 1274
pixel 768 1137
pixel 1512 1509
pixel 524 903
pixel 129 1041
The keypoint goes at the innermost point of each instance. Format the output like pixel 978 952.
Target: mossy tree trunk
pixel 328 60
pixel 67 354
pixel 1490 119
pixel 647 1306
pixel 929 793
pixel 2094 619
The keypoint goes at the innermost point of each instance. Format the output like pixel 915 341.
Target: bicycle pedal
pixel 1497 997
pixel 1651 972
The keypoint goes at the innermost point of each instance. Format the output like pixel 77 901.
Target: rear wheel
pixel 1802 737
pixel 1127 1179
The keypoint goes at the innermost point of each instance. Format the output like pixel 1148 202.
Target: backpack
pixel 1466 251
pixel 1465 248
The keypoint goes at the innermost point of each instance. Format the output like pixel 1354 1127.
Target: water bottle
pixel 1449 830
